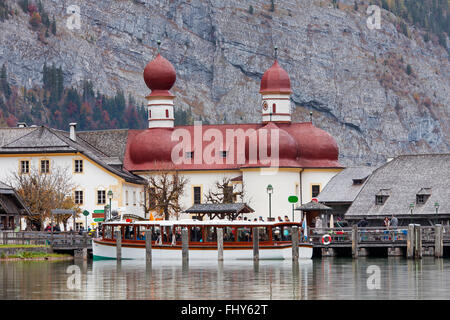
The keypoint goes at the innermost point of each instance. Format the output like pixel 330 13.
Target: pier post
pixel 295 243
pixel 118 237
pixel 418 241
pixel 148 246
pixel 355 241
pixel 184 245
pixel 410 242
pixel 220 244
pixel 255 244
pixel 438 241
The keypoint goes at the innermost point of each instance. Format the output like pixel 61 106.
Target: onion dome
pixel 160 76
pixel 152 145
pixel 287 146
pixel 314 143
pixel 275 80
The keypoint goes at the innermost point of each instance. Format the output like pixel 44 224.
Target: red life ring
pixel 325 242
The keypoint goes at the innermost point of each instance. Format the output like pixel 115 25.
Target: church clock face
pixel 265 106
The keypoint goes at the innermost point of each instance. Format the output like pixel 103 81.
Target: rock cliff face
pixel 353 79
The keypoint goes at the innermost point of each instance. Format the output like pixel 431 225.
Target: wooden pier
pixel 70 242
pixel 413 241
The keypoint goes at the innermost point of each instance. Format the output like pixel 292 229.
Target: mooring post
pixel 355 241
pixel 220 244
pixel 256 244
pixel 184 244
pixel 295 243
pixel 438 241
pixel 118 237
pixel 410 242
pixel 418 241
pixel 148 246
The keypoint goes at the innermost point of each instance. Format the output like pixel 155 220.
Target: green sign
pixel 293 199
pixel 99 211
pixel 99 219
pixel 85 213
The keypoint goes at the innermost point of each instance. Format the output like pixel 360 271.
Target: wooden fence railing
pixel 58 240
pixel 372 235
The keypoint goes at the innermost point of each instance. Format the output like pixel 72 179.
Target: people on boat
pixel 279 219
pixel 261 219
pixel 286 219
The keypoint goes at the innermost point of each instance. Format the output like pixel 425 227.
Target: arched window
pixel 274 108
pixel 167 113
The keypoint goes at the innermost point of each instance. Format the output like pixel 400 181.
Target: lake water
pixel 327 278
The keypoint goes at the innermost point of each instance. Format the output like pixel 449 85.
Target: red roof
pixel 275 80
pixel 301 145
pixel 160 76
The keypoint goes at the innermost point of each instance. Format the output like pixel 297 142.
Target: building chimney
pixel 21 125
pixel 73 135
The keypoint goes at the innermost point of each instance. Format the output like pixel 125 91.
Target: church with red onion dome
pixel 295 158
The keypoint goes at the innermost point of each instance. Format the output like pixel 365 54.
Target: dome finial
pixel 276 52
pixel 158 42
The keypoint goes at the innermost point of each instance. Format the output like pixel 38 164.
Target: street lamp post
pixel 411 207
pixel 110 196
pixel 436 205
pixel 269 192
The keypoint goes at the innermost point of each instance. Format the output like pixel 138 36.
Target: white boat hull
pixel 108 251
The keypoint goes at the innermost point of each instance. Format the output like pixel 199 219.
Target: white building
pixel 294 158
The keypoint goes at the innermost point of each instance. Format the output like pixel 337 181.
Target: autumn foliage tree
pixel 44 192
pixel 163 192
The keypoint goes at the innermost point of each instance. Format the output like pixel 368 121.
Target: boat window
pixel 286 235
pixel 229 234
pixel 114 229
pixel 178 233
pixel 156 232
pixel 196 234
pixel 107 234
pixel 211 234
pixel 243 234
pixel 129 233
pixel 263 234
pixel 167 235
pixel 276 233
pixel 140 232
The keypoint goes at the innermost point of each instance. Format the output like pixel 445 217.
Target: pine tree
pixel 53 29
pixel 4 84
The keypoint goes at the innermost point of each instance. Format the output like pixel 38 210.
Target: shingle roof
pixel 112 142
pixel 341 187
pixel 313 206
pixel 219 208
pixel 406 176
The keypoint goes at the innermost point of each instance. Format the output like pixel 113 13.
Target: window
pixel 228 194
pixel 134 198
pixel 274 108
pixel 45 166
pixel 379 200
pixel 190 154
pixel 197 195
pixel 152 198
pixel 25 166
pixel 358 181
pixel 149 114
pixel 315 190
pixel 101 197
pixel 79 197
pixel 78 166
pixel 224 154
pixel 126 197
pixel 167 113
pixel 421 198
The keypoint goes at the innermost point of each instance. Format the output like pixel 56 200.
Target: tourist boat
pixel 274 240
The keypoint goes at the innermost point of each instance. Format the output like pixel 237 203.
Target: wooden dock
pixel 413 241
pixel 70 242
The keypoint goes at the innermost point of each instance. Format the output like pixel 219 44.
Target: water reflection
pixel 327 278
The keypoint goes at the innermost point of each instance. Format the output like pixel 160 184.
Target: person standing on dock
pixel 394 225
